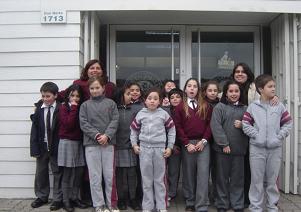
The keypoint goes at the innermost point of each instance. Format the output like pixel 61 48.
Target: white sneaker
pixel 101 209
pixel 146 211
pixel 163 210
pixel 113 210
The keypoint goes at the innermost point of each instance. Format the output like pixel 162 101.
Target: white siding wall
pixel 30 54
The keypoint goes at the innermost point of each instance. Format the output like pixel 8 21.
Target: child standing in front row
pixel 70 151
pixel 230 145
pixel 99 121
pixel 267 126
pixel 149 127
pixel 126 160
pixel 44 141
pixel 210 90
pixel 192 119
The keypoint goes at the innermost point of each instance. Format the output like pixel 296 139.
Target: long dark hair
pixel 84 73
pixel 225 89
pixel 119 96
pixel 245 86
pixel 72 88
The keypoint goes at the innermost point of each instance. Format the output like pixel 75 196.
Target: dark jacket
pixel 37 135
pixel 223 130
pixel 126 116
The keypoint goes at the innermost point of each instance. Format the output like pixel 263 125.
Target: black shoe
pixel 238 210
pixel 221 210
pixel 55 205
pixel 190 208
pixel 79 204
pixel 122 205
pixel 68 207
pixel 135 205
pixel 38 203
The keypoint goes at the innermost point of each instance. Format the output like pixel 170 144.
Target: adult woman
pixel 93 68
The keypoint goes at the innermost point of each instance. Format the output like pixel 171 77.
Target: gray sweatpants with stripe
pixel 100 161
pixel 265 166
pixel 153 172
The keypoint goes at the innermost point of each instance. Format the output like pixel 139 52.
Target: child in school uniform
pixel 230 146
pixel 149 127
pixel 126 160
pixel 70 152
pixel 99 121
pixel 44 140
pixel 168 85
pixel 267 126
pixel 175 97
pixel 192 119
pixel 210 91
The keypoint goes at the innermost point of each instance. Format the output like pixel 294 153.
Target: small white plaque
pixel 53 17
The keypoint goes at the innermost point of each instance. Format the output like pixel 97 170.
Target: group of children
pixel 193 127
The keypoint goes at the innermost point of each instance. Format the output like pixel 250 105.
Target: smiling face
pixel 191 89
pixel 240 75
pixel 135 92
pixel 152 101
pixel 175 99
pixel 96 89
pixel 233 93
pixel 95 70
pixel 48 98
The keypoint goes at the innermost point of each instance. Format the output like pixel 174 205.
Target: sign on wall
pixel 53 17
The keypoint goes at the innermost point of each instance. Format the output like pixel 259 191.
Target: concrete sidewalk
pixel 287 203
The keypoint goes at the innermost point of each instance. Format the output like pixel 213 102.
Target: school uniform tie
pixel 193 104
pixel 48 128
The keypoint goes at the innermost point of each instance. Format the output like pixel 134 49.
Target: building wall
pixel 30 54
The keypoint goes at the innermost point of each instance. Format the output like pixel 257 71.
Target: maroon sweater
pixel 69 123
pixel 192 127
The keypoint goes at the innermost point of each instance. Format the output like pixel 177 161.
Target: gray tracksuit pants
pixel 153 173
pixel 100 161
pixel 265 166
pixel 195 168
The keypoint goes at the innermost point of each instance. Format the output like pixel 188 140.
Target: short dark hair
pixel 225 89
pixel 71 89
pixel 262 80
pixel 101 80
pixel 49 87
pixel 175 91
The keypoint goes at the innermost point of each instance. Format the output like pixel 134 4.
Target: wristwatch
pixel 204 141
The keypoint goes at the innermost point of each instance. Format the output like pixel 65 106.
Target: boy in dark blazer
pixel 44 141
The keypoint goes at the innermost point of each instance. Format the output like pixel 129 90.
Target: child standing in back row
pixel 99 121
pixel 267 126
pixel 149 127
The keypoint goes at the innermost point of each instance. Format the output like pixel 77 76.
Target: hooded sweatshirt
pixel 266 125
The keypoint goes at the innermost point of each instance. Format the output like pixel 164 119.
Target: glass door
pixel 215 50
pixel 147 56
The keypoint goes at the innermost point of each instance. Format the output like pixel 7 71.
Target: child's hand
pixel 176 150
pixel 274 101
pixel 165 102
pixel 167 152
pixel 191 148
pixel 238 124
pixel 136 149
pixel 227 150
pixel 102 139
pixel 199 146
